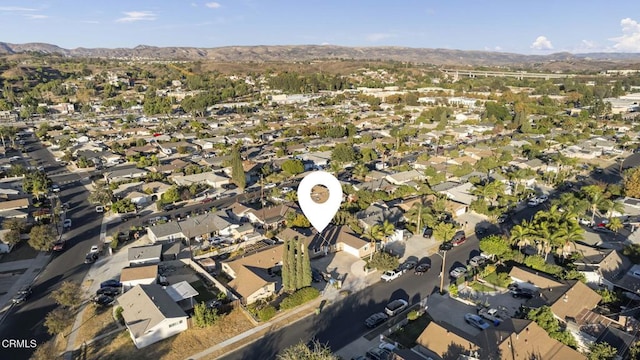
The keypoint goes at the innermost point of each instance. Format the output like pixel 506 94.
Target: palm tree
pixel 596 197
pixel 374 234
pixel 387 229
pixel 615 224
pixel 444 231
pixel 613 206
pixel 520 235
pixel 360 171
pixel 291 196
pixel 419 210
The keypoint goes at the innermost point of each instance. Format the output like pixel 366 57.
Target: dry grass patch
pixel 120 347
pixel 95 322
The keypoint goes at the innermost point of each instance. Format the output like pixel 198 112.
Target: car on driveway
pixel 533 202
pixel 103 300
pixel 476 321
pixel 375 320
pixel 66 224
pixel 502 218
pixel 543 198
pixel 379 354
pixel 522 293
pixel 109 291
pixel 316 275
pixel 585 222
pixel 477 261
pixel 111 283
pixel 458 272
pixel 422 268
pixel 94 249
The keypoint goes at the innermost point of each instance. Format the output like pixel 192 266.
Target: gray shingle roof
pixel 145 306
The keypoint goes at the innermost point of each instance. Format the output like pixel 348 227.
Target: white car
pixel 66 224
pixel 458 272
pixel 390 275
pixel 99 209
pixel 585 222
pixel 94 249
pixel 533 202
pixel 543 198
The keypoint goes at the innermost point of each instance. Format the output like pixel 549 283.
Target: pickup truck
pixel 391 275
pixel 493 315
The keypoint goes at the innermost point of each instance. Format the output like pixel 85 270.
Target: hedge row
pixel 299 297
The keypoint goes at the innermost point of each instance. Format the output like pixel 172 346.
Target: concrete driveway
pixel 347 268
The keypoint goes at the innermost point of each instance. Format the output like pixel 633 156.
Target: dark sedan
pixel 422 268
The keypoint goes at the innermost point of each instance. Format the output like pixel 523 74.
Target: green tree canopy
pixel 293 167
pixel 494 245
pixel 41 237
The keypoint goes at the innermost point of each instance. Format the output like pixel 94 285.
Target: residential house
pixel 602 267
pixel 210 178
pixel 376 185
pixel 143 255
pixel 155 189
pixel 409 177
pixel 377 213
pixel 252 274
pixel 138 275
pixel 151 315
pixel 169 148
pixel 18 204
pixel 318 159
pixel 170 167
pixel 570 301
pixel 206 225
pixel 165 232
pixel 513 339
pixel 271 217
pixel 333 239
pixel 123 174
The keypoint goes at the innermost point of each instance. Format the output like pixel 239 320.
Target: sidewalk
pixel 34 268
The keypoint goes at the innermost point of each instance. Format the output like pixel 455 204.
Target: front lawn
pixel 501 280
pixel 408 334
pixel 479 287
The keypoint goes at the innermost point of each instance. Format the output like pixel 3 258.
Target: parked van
pixel 459 238
pixel 396 307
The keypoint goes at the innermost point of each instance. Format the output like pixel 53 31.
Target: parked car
pixel 445 246
pixel 103 300
pixel 408 265
pixel 109 291
pixel 422 268
pixel 476 321
pixel 458 272
pixel 55 188
pixel 602 227
pixel 111 283
pixel 99 209
pixel 459 238
pixel 502 218
pixel 533 202
pixel 66 224
pixel 391 275
pixel 477 261
pixel 427 232
pixel 396 307
pixel 543 198
pixel 522 293
pixel 58 246
pixel 22 295
pixel 94 249
pixel 379 354
pixel 585 222
pixel 168 207
pixel 90 258
pixel 375 320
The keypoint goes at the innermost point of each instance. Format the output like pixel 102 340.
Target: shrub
pixel 114 243
pixel 453 290
pixel 383 261
pixel 266 313
pixel 299 297
pixel 413 315
pixel 117 313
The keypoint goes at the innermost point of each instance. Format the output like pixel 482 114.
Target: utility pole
pixel 444 259
pixel 264 217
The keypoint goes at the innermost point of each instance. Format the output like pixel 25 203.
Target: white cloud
pixel 212 5
pixel 16 8
pixel 542 43
pixel 630 39
pixel 132 16
pixel 35 16
pixel 378 37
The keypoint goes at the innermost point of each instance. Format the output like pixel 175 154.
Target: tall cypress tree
pixel 286 266
pixel 237 171
pixel 299 265
pixel 306 266
pixel 291 269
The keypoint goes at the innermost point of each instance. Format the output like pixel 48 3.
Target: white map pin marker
pixel 319 215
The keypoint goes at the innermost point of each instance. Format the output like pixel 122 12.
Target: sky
pixel 525 27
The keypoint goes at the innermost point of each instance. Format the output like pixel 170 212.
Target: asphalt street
pixel 25 322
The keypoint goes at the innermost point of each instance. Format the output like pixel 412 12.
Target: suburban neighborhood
pixel 150 210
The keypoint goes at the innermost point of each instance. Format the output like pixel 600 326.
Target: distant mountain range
pixel 318 52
